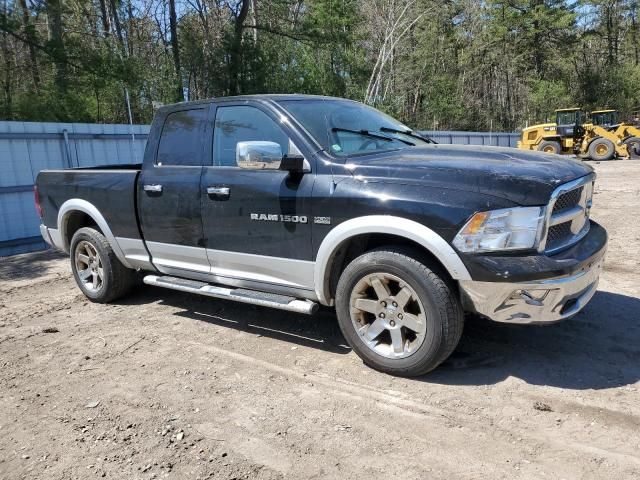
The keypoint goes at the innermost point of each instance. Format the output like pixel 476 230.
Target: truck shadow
pixel 318 331
pixel 29 265
pixel 599 348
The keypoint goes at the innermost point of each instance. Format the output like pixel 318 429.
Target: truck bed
pixel 111 189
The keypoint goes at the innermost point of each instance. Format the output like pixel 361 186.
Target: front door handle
pixel 219 192
pixel 153 188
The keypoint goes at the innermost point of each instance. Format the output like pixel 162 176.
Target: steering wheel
pixel 366 143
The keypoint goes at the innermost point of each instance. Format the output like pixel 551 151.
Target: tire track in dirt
pixel 412 408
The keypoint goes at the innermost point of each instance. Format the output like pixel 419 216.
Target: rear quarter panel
pixel 111 191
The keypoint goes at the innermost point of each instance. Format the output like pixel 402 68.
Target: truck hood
pixel 525 178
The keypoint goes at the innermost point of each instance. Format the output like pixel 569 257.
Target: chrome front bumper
pixel 538 302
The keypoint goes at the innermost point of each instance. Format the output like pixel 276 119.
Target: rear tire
pixel 633 147
pixel 601 149
pixel 397 313
pixel 96 269
pixel 549 146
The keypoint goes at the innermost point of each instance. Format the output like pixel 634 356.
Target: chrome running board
pixel 242 295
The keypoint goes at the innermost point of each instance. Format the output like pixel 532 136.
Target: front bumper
pixel 540 302
pixel 570 280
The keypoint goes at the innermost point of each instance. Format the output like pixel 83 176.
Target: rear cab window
pixel 181 138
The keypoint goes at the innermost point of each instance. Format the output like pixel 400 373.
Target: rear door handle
pixel 220 192
pixel 152 188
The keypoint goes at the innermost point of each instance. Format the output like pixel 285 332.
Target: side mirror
pixel 259 155
pixel 294 164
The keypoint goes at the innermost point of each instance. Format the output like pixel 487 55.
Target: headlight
pixel 507 229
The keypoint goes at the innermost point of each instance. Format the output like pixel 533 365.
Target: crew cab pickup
pixel 291 201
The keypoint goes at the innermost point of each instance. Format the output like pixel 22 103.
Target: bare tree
pixel 175 47
pixel 29 32
pixel 56 42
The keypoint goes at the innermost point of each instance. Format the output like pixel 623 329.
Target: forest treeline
pixel 456 64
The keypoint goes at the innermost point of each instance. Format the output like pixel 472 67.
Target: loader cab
pixel 605 118
pixel 569 122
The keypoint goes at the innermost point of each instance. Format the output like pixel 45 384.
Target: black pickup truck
pixel 290 201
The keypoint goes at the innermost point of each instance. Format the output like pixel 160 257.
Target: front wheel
pixel 96 269
pixel 633 147
pixel 398 315
pixel 602 149
pixel 549 146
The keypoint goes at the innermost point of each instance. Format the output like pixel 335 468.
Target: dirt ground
pixel 165 384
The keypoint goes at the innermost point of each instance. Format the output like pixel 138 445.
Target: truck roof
pixel 265 96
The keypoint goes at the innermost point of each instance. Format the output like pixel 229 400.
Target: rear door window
pixel 181 138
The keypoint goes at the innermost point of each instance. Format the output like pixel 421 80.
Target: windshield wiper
pixel 367 133
pixel 410 133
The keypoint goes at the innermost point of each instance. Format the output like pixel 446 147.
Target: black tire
pixel 442 310
pixel 601 149
pixel 116 279
pixel 633 147
pixel 549 146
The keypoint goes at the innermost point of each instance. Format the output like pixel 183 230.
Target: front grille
pixel 567 224
pixel 568 200
pixel 558 235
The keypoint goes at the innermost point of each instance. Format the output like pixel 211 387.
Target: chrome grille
pixel 558 234
pixel 567 218
pixel 568 200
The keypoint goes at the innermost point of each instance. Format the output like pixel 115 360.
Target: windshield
pixel 606 118
pixel 344 127
pixel 566 118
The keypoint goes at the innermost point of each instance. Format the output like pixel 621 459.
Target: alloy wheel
pixel 388 315
pixel 89 266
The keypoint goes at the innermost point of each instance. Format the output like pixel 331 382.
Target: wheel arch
pixel 332 252
pixel 70 218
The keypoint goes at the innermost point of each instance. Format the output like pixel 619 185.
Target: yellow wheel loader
pixel 562 137
pixel 626 136
pixel 600 139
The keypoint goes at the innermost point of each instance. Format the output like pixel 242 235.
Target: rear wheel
pixel 633 147
pixel 96 269
pixel 601 149
pixel 549 146
pixel 398 315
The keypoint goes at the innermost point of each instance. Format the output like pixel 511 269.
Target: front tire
pixel 633 147
pixel 397 313
pixel 550 146
pixel 96 269
pixel 601 149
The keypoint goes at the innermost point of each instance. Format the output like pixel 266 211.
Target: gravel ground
pixel 164 384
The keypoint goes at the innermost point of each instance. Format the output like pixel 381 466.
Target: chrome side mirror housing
pixel 258 155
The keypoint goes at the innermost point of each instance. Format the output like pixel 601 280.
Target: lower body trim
pixel 52 236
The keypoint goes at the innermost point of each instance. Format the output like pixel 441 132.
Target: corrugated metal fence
pixel 28 147
pixel 475 138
